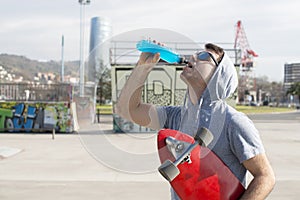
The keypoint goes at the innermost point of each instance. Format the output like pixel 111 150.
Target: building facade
pixel 291 74
pixel 101 31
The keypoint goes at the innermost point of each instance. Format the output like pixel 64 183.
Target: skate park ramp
pixel 6 152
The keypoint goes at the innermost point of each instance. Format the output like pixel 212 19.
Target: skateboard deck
pixel 201 175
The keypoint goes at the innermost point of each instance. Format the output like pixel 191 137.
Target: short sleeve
pixel 244 138
pixel 169 116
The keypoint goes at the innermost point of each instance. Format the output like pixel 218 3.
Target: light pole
pixel 81 69
pixel 62 59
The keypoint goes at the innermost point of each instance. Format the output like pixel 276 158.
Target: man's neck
pixel 195 93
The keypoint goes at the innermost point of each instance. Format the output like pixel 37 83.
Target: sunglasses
pixel 205 56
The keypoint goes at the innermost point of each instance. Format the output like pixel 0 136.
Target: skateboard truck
pixel 169 169
pixel 176 147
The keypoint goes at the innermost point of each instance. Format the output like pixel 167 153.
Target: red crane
pixel 241 42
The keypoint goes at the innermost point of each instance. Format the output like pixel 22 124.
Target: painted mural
pixel 35 117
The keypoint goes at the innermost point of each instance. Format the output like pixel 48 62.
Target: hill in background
pixel 22 66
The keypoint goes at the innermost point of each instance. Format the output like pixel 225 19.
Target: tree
pixel 294 90
pixel 270 91
pixel 104 86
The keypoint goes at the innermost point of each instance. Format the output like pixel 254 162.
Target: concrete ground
pixel 281 136
pixel 97 164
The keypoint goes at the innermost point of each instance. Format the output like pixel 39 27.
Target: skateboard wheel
pixel 169 170
pixel 204 136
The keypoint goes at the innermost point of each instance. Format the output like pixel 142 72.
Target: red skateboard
pixel 193 177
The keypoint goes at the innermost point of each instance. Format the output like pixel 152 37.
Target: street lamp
pixel 81 69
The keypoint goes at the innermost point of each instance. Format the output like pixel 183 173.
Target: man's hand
pixel 148 60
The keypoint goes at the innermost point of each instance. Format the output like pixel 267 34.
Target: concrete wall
pixel 163 87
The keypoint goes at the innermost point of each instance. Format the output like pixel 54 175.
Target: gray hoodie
pixel 235 137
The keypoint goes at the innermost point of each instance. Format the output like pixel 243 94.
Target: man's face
pixel 199 70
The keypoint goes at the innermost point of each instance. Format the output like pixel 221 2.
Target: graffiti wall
pixel 35 117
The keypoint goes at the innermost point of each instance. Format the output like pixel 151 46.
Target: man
pixel 211 78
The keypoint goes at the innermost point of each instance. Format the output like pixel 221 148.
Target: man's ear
pixel 220 58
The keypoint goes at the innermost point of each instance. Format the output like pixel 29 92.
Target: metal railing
pixel 35 92
pixel 125 52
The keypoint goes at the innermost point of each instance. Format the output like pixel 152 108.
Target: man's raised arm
pixel 129 105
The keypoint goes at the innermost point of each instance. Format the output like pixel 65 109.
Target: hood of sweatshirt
pixel 224 81
pixel 210 110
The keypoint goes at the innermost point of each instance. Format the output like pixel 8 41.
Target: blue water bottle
pixel 166 54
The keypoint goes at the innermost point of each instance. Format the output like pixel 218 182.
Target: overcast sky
pixel 33 28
